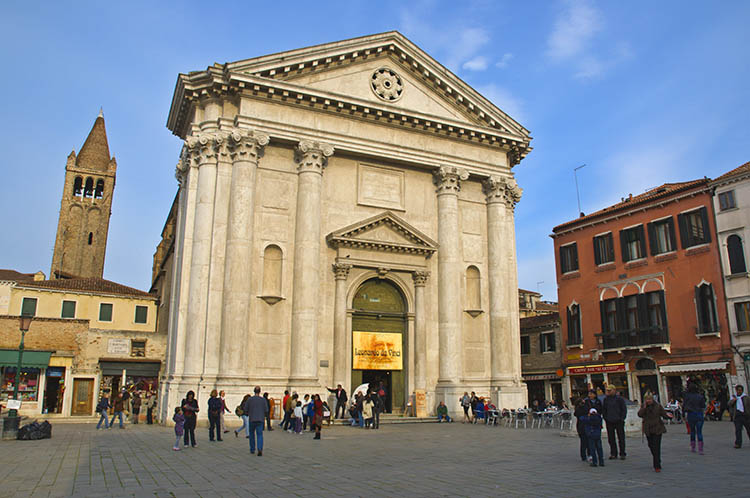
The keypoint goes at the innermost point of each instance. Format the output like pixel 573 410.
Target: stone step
pixel 393 419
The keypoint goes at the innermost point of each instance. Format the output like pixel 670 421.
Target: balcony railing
pixel 633 338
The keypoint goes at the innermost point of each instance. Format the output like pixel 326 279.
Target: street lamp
pixel 25 323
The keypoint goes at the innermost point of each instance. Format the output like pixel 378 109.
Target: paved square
pixel 398 460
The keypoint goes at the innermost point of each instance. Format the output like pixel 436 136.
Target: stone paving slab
pixel 397 460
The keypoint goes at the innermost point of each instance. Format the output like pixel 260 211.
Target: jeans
pixel 287 420
pixel 115 415
pixel 256 430
pixel 695 420
pixel 342 405
pixel 177 441
pixel 361 420
pixel 245 426
pixel 740 420
pixel 654 444
pixel 616 429
pixel 584 446
pixel 595 449
pixel 446 417
pixel 103 418
pixel 214 424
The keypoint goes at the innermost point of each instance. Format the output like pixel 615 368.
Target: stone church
pixel 344 216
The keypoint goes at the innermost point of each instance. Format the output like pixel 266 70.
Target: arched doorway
pixel 379 332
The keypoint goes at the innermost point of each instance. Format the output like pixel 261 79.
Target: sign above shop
pixel 376 351
pixel 589 369
pixel 118 346
pixel 541 377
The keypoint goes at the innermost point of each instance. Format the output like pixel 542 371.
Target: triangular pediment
pixel 384 232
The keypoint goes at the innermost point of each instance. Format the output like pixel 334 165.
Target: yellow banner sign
pixel 377 351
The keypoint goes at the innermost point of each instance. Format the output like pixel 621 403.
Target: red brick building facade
pixel 641 295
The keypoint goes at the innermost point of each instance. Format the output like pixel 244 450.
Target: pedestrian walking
pixel 189 410
pixel 179 427
pixel 118 405
pixel 102 407
pixel 150 404
pixel 694 405
pixel 579 413
pixel 614 412
pixel 214 416
pixel 268 414
pixel 593 427
pixel 256 408
pixel 136 403
pixel 739 408
pixel 240 412
pixel 341 399
pixel 318 415
pixel 298 418
pixel 285 420
pixel 291 402
pixel 653 427
pixel 224 410
pixel 306 419
pixel 465 401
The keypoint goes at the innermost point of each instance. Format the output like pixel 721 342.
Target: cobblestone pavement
pixel 397 460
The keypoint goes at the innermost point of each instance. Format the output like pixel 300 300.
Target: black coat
pixel 614 409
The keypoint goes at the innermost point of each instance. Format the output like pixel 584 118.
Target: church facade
pixel 345 215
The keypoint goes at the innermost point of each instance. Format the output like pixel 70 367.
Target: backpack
pixel 238 411
pixel 100 406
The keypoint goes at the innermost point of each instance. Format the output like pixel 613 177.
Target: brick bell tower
pixel 85 209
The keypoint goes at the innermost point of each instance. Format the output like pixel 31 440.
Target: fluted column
pixel 502 195
pixel 245 147
pixel 448 181
pixel 340 351
pixel 420 332
pixel 202 152
pixel 312 158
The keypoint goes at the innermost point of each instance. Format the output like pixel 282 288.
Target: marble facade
pixel 307 173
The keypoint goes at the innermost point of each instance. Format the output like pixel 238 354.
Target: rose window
pixel 387 84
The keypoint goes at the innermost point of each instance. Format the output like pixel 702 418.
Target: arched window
pixel 99 189
pixel 706 308
pixel 736 254
pixel 91 237
pixel 88 190
pixel 473 289
pixel 645 364
pixel 272 267
pixel 574 324
pixel 77 186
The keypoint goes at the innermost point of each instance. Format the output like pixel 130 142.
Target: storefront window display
pixel 620 382
pixel 579 386
pixel 711 383
pixel 28 386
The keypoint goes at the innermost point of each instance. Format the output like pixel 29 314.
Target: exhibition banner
pixel 376 351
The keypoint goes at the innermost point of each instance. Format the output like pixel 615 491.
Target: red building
pixel 641 295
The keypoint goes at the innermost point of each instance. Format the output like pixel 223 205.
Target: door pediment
pixel 384 232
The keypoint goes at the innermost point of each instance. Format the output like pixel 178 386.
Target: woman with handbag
pixel 317 416
pixel 243 416
pixel 189 409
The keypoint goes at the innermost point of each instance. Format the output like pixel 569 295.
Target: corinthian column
pixel 202 152
pixel 420 334
pixel 448 181
pixel 502 196
pixel 312 158
pixel 245 147
pixel 340 351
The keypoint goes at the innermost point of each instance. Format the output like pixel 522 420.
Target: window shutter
pixel 652 238
pixel 610 247
pixel 541 343
pixel 706 226
pixel 642 240
pixel 624 246
pixel 699 308
pixel 570 328
pixel 551 338
pixel 643 311
pixel 621 313
pixel 597 255
pixel 672 238
pixel 682 221
pixel 563 269
pixel 663 303
pixel 603 314
pixel 574 249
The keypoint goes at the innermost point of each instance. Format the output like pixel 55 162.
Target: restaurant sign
pixel 376 351
pixel 589 369
pixel 541 377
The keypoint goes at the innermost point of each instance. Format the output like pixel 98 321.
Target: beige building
pixel 345 215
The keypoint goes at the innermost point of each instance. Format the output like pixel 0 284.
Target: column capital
pixel 199 149
pixel 420 277
pixel 341 270
pixel 448 179
pixel 499 189
pixel 180 171
pixel 312 156
pixel 246 145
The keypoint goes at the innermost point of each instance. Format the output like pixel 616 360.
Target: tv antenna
pixel 578 195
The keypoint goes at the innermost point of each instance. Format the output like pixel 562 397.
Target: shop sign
pixel 118 346
pixel 616 367
pixel 13 404
pixel 376 351
pixel 541 377
pixel 420 398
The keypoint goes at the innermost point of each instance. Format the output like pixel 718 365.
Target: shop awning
pixel 133 368
pixel 31 359
pixel 693 367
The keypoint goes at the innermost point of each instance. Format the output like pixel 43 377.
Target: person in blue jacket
pixel 593 423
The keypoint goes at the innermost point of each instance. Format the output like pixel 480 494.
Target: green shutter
pixel 105 312
pixel 28 306
pixel 672 238
pixel 141 314
pixel 597 247
pixel 706 226
pixel 641 240
pixel 652 239
pixel 624 245
pixel 68 309
pixel 684 238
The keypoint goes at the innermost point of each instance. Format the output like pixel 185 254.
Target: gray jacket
pixel 255 408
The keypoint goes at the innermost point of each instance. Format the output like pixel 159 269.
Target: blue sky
pixel 641 92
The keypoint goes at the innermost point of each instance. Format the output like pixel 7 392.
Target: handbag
pixel 238 411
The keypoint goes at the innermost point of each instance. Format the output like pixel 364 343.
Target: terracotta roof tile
pixel 745 168
pixel 659 192
pixel 14 276
pixel 93 284
pixel 531 322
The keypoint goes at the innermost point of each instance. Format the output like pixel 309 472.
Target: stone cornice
pixel 353 236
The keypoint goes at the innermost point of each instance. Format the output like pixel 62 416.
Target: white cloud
pixel 573 30
pixel 505 100
pixel 589 67
pixel 504 60
pixel 478 63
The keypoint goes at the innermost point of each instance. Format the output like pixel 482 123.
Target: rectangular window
pixel 656 309
pixel 694 228
pixel 726 200
pixel 661 236
pixel 28 306
pixel 604 250
pixel 609 315
pixel 68 309
pixel 742 312
pixel 105 312
pixel 633 243
pixel 706 308
pixel 138 348
pixel 525 344
pixel 141 314
pixel 547 342
pixel 569 258
pixel 574 324
pixel 631 312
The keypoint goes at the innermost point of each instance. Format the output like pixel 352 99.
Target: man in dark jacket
pixel 593 402
pixel 341 399
pixel 256 409
pixel 614 412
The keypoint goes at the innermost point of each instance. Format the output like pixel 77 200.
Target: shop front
pixel 586 377
pixel 31 378
pixel 712 379
pixel 545 386
pixel 133 375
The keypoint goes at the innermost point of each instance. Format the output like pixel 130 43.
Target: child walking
pixel 594 435
pixel 179 427
pixel 298 418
